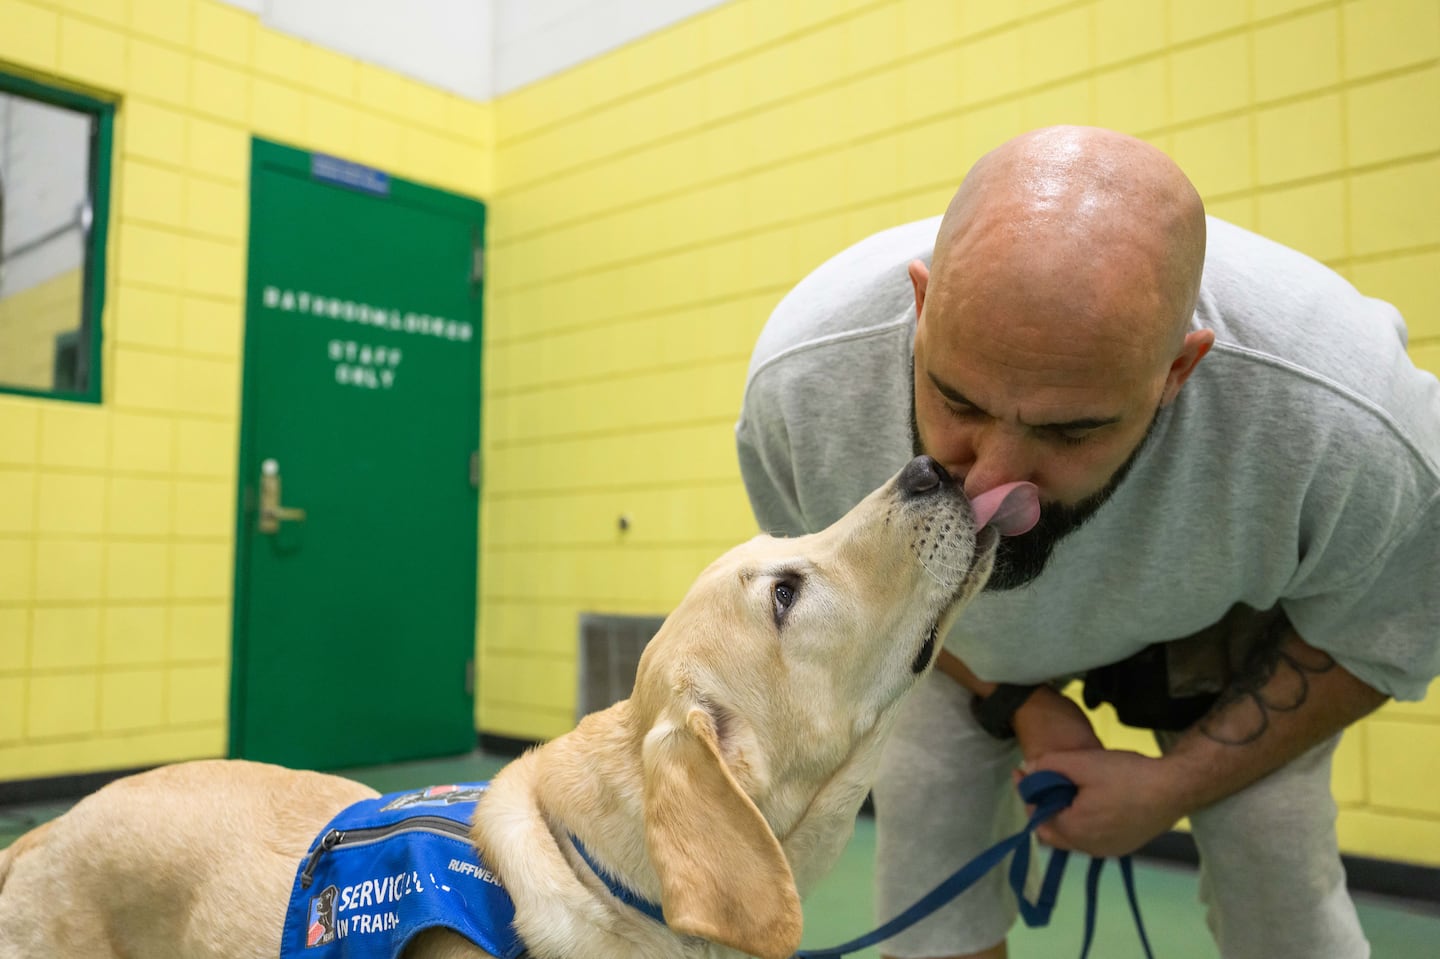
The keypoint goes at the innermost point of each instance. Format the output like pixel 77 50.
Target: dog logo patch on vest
pixel 321 929
pixel 434 795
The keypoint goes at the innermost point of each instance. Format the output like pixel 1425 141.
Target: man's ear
pixel 1192 351
pixel 723 876
pixel 920 280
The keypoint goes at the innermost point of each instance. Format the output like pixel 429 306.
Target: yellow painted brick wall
pixel 29 322
pixel 116 521
pixel 653 204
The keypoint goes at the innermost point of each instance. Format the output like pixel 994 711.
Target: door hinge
pixel 477 258
pixel 470 676
pixel 475 469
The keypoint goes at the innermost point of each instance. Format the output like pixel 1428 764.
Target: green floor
pixel 839 909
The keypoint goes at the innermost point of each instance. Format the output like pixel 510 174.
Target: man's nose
pixel 1000 456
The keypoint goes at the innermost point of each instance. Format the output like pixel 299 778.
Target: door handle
pixel 272 514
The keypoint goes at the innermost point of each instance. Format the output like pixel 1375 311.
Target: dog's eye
pixel 784 597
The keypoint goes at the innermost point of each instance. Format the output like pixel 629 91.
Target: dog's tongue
pixel 1012 508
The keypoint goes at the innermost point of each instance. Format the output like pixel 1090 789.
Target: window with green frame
pixel 54 209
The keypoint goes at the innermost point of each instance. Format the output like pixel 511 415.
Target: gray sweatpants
pixel 1270 873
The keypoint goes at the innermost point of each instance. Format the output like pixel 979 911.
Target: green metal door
pixel 355 590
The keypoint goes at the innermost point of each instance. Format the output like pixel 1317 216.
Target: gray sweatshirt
pixel 1299 465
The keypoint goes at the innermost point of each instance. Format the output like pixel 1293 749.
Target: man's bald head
pixel 1104 222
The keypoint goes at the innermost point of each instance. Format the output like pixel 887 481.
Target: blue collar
pixel 627 896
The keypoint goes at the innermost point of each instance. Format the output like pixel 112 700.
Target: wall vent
pixel 610 648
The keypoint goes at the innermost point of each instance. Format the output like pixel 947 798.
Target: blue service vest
pixel 386 869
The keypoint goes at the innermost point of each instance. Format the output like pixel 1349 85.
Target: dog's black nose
pixel 923 475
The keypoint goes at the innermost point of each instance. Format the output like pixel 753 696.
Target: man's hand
pixel 1123 801
pixel 1052 722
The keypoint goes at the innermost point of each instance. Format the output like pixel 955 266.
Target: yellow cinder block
pixel 1125 30
pixel 17 500
pixel 202 570
pixel 73 436
pixel 213 267
pixel 92 54
pixel 31 36
pixel 152 131
pixel 167 20
pixel 220 91
pixel 224 32
pixel 17 570
pixel 158 72
pixel 1309 218
pixel 218 150
pixel 70 503
pixel 1049 47
pixel 145 317
pixel 1428 708
pixel 144 380
pixel 281 56
pixel 1068 103
pixel 980 16
pixel 1133 98
pixel 330 73
pixel 539 682
pixel 208 386
pixel 112 11
pixel 142 443
pixel 217 209
pixel 1383 35
pixel 65 638
pixel 1299 140
pixel 133 635
pixel 1393 118
pixel 204 508
pixel 150 255
pixel 1412 283
pixel 137 571
pixel 1404 766
pixel 277 110
pixel 132 699
pixel 211 326
pixel 329 125
pixel 376 140
pixel 992 66
pixel 1190 20
pixel 522 722
pixel 197 694
pixel 1389 835
pixel 199 631
pixel 1297 56
pixel 151 194
pixel 68 570
pixel 1210 79
pixel 14 639
pixel 62 705
pixel 380 90
pixel 1216 156
pixel 206 448
pixel 1395 208
pixel 139 507
pixel 12 710
pixel 471 120
pixel 19 431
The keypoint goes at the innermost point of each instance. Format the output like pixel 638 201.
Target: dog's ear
pixel 722 874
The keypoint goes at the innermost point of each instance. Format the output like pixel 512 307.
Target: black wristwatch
pixel 995 712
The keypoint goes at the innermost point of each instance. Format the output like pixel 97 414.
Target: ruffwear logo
pixel 320 930
pixel 436 796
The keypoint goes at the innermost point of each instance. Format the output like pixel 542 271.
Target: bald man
pixel 1239 470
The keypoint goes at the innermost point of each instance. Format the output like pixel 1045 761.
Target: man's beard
pixel 1019 560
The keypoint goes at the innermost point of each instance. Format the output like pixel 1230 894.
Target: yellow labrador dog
pixel 722 789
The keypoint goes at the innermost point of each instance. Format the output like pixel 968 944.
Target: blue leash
pixel 1049 793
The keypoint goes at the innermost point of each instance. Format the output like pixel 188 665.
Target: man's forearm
pixel 1291 699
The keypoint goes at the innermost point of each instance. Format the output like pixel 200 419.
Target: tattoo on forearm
pixel 1275 679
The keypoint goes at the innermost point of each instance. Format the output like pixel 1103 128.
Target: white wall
pixel 476 48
